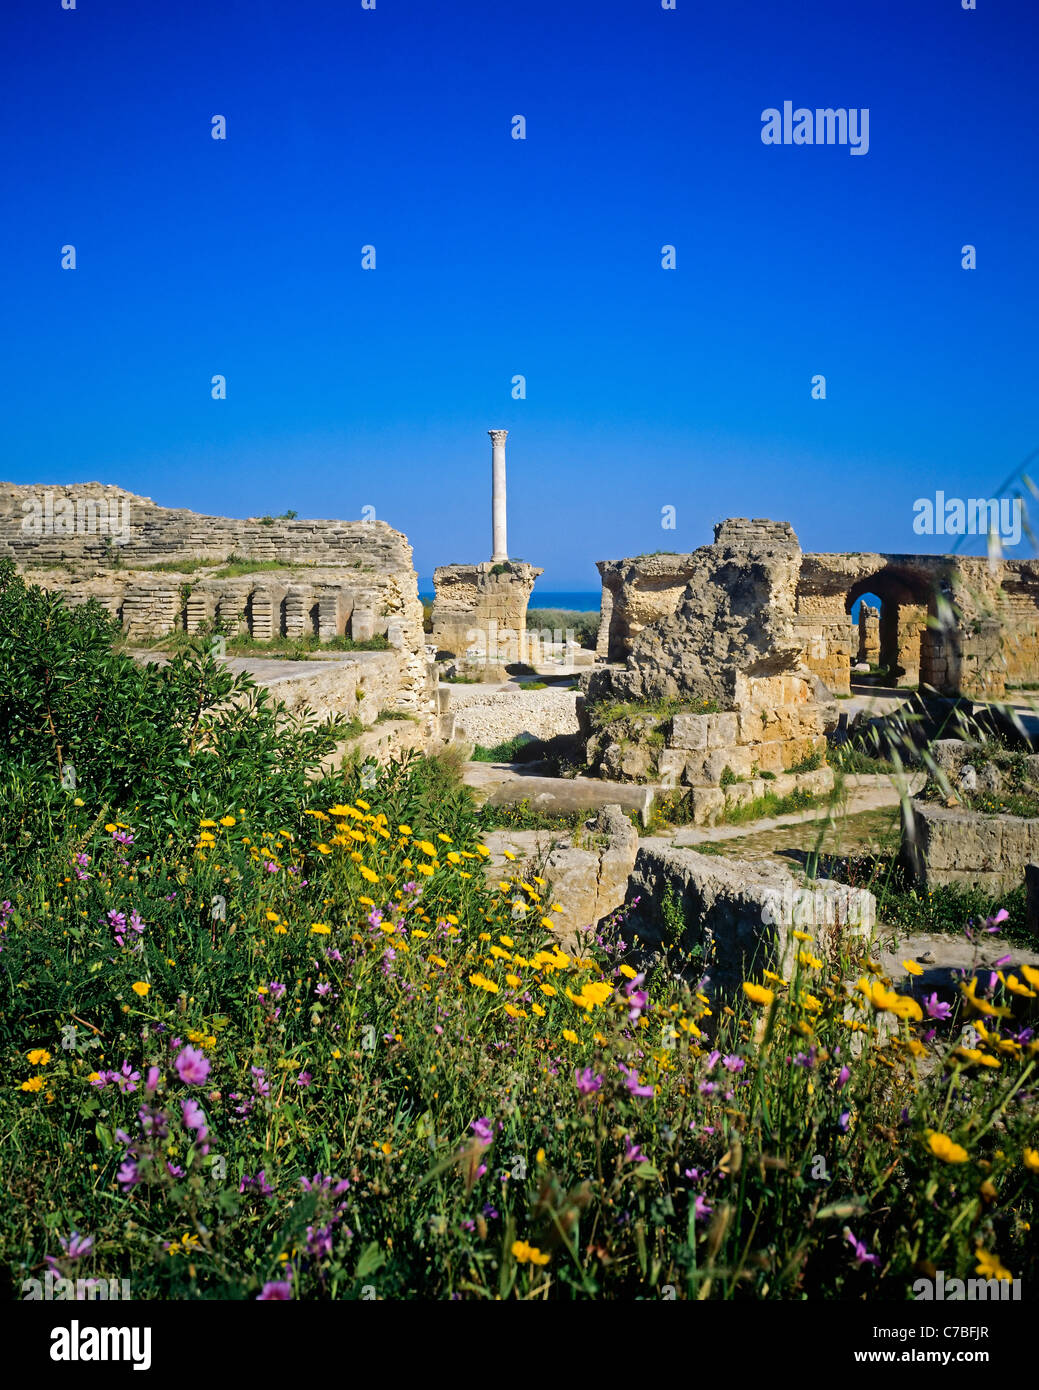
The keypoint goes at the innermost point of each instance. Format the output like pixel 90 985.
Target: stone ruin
pixel 961 625
pixel 334 578
pixel 722 673
pixel 480 611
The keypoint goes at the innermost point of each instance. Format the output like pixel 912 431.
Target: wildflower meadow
pixel 274 1034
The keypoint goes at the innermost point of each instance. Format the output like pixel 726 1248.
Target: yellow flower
pixel 757 994
pixel 944 1148
pixel 887 1000
pixel 524 1253
pixel 320 929
pixel 806 958
pixel 141 988
pixel 482 982
pixel 426 869
pixel 570 1035
pixel 912 967
pixel 227 820
pixel 802 936
pixel 628 972
pixel 513 1012
pixel 1015 986
pixel 35 1083
pixel 990 1266
pixel 538 1010
pixel 1031 1159
pixel 363 805
pixel 39 1057
pixel 1031 974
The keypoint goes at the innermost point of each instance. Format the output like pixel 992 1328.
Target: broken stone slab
pixel 737 917
pixel 941 845
pixel 558 796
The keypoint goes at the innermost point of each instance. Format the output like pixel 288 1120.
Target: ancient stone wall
pixel 327 578
pixel 917 635
pixel 482 609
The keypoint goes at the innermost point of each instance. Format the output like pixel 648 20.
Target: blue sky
pixel 646 388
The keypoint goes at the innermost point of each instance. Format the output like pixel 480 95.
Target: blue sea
pixel 574 600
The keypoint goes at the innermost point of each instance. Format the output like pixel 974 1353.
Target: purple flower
pixel 843 1077
pixel 843 1121
pixel 128 1175
pixel 322 989
pixel 587 1081
pixel 123 837
pixel 304 1079
pixel 936 1008
pixel 632 1152
pixel 862 1255
pixel 702 1208
pixel 194 1117
pixel 733 1063
pixel 192 1067
pixel 992 924
pixel 151 1081
pixel 275 1291
pixel 482 1129
pixel 125 1078
pixel 631 1080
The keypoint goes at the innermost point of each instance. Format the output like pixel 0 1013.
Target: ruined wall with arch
pixel 960 625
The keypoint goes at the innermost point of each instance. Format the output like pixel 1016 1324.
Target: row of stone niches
pixel 267 613
pixel 324 612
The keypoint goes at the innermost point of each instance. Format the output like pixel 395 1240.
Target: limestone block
pixel 689 731
pixel 736 757
pixel 741 914
pixel 708 804
pixel 722 730
pixel 671 766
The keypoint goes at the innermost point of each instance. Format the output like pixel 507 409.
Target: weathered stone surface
pixel 734 615
pixel 739 915
pixel 992 643
pixel 591 883
pixel 481 610
pixel 560 796
pixel 340 578
pixel 943 845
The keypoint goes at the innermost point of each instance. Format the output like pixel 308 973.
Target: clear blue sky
pixel 645 387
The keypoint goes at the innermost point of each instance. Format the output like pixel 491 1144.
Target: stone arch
pixel 907 599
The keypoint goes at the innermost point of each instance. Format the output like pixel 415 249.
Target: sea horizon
pixel 571 600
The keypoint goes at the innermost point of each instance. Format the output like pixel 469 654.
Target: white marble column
pixel 501 545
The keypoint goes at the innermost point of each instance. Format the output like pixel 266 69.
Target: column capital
pixel 498 436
